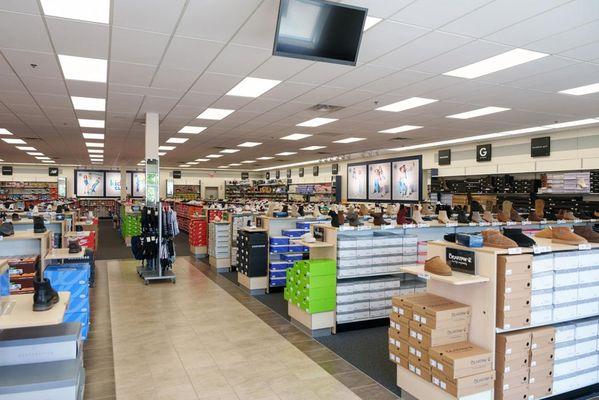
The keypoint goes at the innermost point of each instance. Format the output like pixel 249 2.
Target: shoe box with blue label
pixel 73 278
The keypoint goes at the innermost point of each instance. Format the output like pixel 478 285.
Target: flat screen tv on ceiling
pixel 319 30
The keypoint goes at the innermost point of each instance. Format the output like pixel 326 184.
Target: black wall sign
pixel 445 157
pixel 483 152
pixel 460 260
pixel 335 169
pixel 289 173
pixel 268 175
pixel 315 170
pixel 277 174
pixel 245 175
pixel 301 172
pixel 6 170
pixel 52 171
pixel 540 147
pixel 177 174
pixel 289 180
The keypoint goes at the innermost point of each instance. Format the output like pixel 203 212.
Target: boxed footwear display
pixel 464 386
pixel 442 314
pixel 426 337
pixel 312 285
pixel 461 359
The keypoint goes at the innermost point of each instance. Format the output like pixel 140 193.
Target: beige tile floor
pixel 193 340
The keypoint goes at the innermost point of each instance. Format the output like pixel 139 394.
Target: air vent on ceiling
pixel 330 134
pixel 323 152
pixel 219 147
pixel 400 138
pixel 325 108
pixel 31 139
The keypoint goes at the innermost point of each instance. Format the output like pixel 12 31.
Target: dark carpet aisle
pixel 111 245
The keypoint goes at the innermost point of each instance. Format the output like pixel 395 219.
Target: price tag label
pixel 423 225
pixel 584 246
pixel 509 223
pixel 577 221
pixel 451 224
pixel 543 221
pixel 561 221
pixel 538 249
pixel 514 250
pixel 472 224
pixel 363 228
pixel 301 217
pixel 346 228
pixel 388 226
pixel 424 276
pixel 496 223
pixel 483 224
pixel 405 226
pixel 1 238
pixel 525 222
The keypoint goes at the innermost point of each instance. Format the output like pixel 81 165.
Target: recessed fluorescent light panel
pixel 311 148
pixel 234 165
pixel 192 162
pixel 214 156
pixel 194 130
pixel 88 10
pixel 569 124
pixel 248 162
pixel 5 132
pixel 48 161
pixel 202 159
pixel 229 151
pixel 94 144
pixel 42 158
pixel 93 136
pixel 500 62
pixel 403 128
pixel 249 144
pixel 35 153
pixel 314 122
pixel 161 153
pixel 91 123
pixel 264 158
pixel 296 136
pixel 577 91
pixel 478 112
pixel 177 140
pixel 370 22
pixel 286 153
pixel 82 68
pixel 14 141
pixel 166 148
pixel 88 103
pixel 223 166
pixel 407 104
pixel 215 113
pixel 26 148
pixel 252 87
pixel 349 140
pixel 96 151
pixel 184 165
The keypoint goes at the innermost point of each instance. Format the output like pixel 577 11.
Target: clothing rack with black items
pixel 155 247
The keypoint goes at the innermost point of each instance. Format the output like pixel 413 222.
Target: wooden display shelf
pixel 20 314
pixel 457 278
pixel 3 265
pixel 25 244
pixel 316 245
pixel 63 254
pixel 317 324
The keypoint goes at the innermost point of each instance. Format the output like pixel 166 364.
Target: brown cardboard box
pixel 540 357
pixel 543 337
pixel 461 359
pixel 424 365
pixel 541 388
pixel 400 346
pixel 515 284
pixel 465 386
pixel 400 324
pixel 399 360
pixel 506 363
pixel 415 367
pixel 540 373
pixel 512 302
pixel 420 353
pixel 516 393
pixel 513 342
pixel 513 319
pixel 425 337
pixel 511 379
pixel 402 305
pixel 508 266
pixel 442 314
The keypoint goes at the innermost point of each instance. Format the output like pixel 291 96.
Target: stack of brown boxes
pixel 514 277
pixel 524 363
pixel 421 321
pixel 22 274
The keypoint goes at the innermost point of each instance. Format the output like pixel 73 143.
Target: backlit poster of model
pixel 356 182
pixel 113 184
pixel 90 183
pixel 139 184
pixel 379 181
pixel 406 180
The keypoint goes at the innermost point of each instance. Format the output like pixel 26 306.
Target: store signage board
pixel 6 170
pixel 245 175
pixel 301 172
pixel 461 260
pixel 268 175
pixel 315 170
pixel 445 157
pixel 289 173
pixel 335 169
pixel 483 152
pixel 540 147
pixel 53 171
pixel 177 174
pixel 277 174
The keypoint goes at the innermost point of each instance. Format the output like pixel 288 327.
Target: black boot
pixel 462 218
pixel 74 246
pixel 38 224
pixel 334 219
pixel 44 297
pixel 300 210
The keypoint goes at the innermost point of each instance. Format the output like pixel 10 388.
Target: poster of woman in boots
pixel 356 182
pixel 406 180
pixel 379 181
pixel 90 183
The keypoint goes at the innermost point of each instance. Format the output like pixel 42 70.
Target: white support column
pixel 152 136
pixel 151 151
pixel 124 184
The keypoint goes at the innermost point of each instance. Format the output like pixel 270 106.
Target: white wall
pixel 34 173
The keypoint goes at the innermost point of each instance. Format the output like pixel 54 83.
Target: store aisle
pixel 194 340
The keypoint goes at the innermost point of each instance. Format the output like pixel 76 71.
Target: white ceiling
pixel 178 57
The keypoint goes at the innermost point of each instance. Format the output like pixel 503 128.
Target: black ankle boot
pixel 74 246
pixel 300 210
pixel 462 218
pixel 334 219
pixel 38 224
pixel 44 297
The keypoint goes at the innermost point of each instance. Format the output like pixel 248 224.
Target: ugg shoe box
pixel 420 353
pixel 403 305
pixel 397 340
pixel 514 342
pixel 543 338
pixel 425 337
pixel 514 284
pixel 506 363
pixel 516 393
pixel 418 369
pixel 465 386
pixel 517 318
pixel 513 266
pixel 517 301
pixel 511 379
pixel 400 325
pixel 541 373
pixel 458 360
pixel 541 357
pixel 399 348
pixel 541 388
pixel 399 360
pixel 444 313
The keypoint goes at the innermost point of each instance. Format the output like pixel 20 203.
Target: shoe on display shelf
pixel 519 237
pixel 494 238
pixel 587 232
pixel 44 296
pixel 475 217
pixel 437 266
pixel 563 234
pixel 488 217
pixel 442 217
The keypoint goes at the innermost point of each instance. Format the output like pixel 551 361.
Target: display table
pixel 52 226
pixel 89 226
pixel 26 244
pixel 20 314
pixel 63 254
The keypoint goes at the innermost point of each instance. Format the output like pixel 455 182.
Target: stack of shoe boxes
pixel 514 276
pixel 238 222
pixel 524 363
pixel 73 278
pixel 252 253
pixel 594 181
pixel 429 321
pixel 284 251
pixel 576 360
pixel 219 244
pixel 198 235
pixel 4 281
pixel 311 285
pixel 22 274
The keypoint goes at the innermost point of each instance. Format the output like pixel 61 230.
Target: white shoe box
pixel 378 260
pixel 565 295
pixel 587 308
pixel 364 252
pixel 587 361
pixel 565 350
pixel 362 243
pixel 589 258
pixel 542 280
pixel 586 329
pixel 565 277
pixel 565 333
pixel 394 267
pixel 565 367
pixel 344 288
pixel 541 298
pixel 541 315
pixel 380 269
pixel 389 293
pixel 346 272
pixel 587 346
pixel 566 260
pixel 347 244
pixel 588 291
pixel 542 263
pixel 565 311
pixel 346 253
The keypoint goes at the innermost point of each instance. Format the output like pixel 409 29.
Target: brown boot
pixel 437 266
pixel 540 208
pixel 341 215
pixel 588 233
pixel 442 217
pixel 533 216
pixel 493 238
pixel 487 216
pixel 563 234
pixel 506 211
pixel 569 216
pixel 514 216
pixel 363 210
pixel 502 216
pixel 546 233
pixel 561 214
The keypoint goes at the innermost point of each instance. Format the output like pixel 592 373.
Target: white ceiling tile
pixel 360 76
pixel 157 104
pixel 51 100
pixel 419 12
pixel 133 46
pixel 215 19
pixel 44 85
pixel 78 38
pixel 395 81
pixel 190 54
pixel 215 83
pixel 21 6
pixel 46 64
pixel 86 89
pixel 12 83
pixel 9 98
pixel 130 74
pixel 174 78
pixel 148 91
pixel 378 8
pixel 386 36
pixel 228 61
pixel 259 29
pixel 287 91
pixel 24 32
pixel 523 71
pixel 564 41
pixel 352 97
pixel 123 102
pixel 198 100
pixel 587 52
pixel 319 73
pixel 565 78
pixel 319 95
pixel 152 16
pixel 229 103
pixel 280 68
